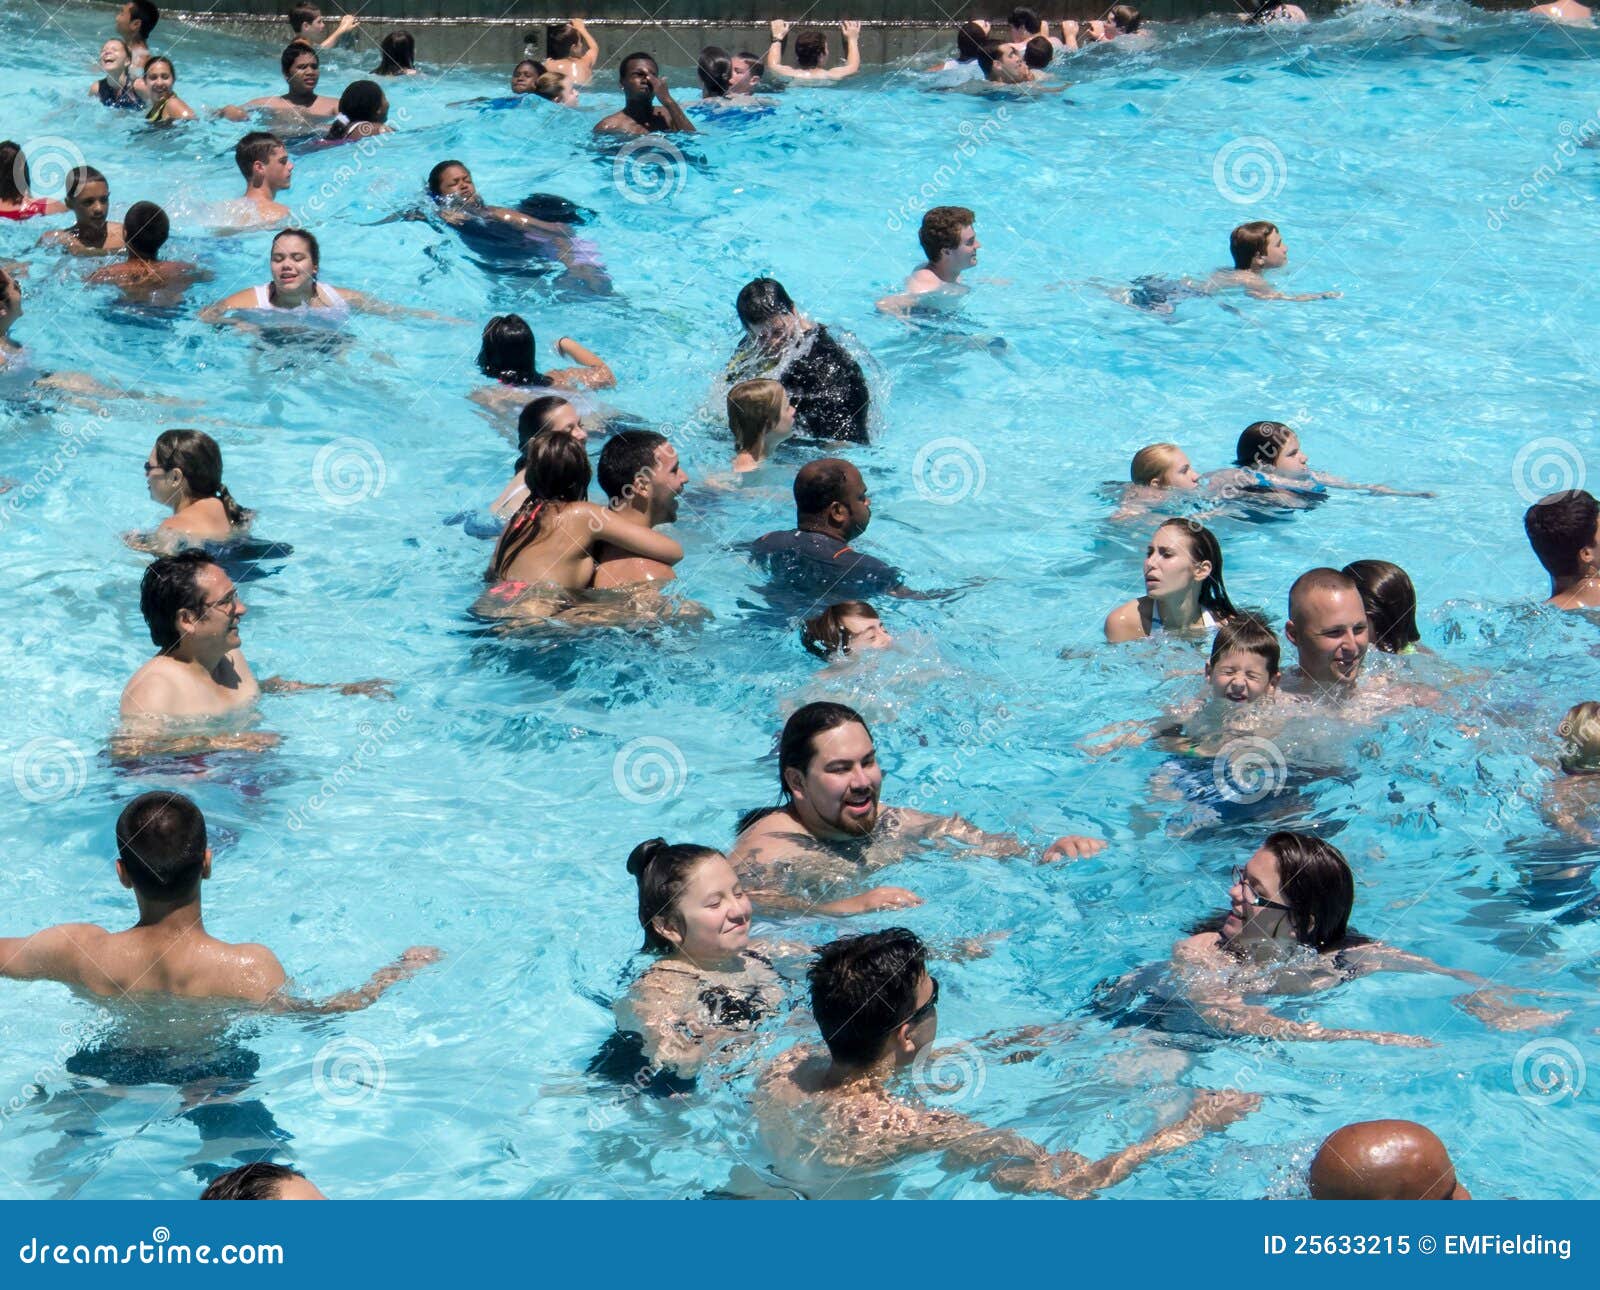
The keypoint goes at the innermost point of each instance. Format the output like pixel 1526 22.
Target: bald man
pixel 1384 1160
pixel 815 558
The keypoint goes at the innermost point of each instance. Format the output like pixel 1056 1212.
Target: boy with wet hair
pixel 1255 248
pixel 951 244
pixel 811 52
pixel 144 275
pixel 89 198
pixel 309 27
pixel 1038 53
pixel 262 1181
pixel 1564 531
pixel 267 169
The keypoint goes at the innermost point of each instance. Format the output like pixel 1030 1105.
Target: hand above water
pixel 1074 847
pixel 780 29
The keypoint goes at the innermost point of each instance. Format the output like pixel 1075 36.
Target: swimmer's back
pixel 145 961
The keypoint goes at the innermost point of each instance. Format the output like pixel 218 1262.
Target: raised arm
pixel 774 54
pixel 591 51
pixel 635 539
pixel 593 372
pixel 852 52
pixel 407 965
pixel 346 25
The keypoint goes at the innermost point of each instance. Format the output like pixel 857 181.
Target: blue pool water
pixel 1420 163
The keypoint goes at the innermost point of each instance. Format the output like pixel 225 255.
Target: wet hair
pixel 293 52
pixel 16 184
pixel 970 40
pixel 1580 733
pixel 825 634
pixel 306 236
pixel 1151 462
pixel 538 67
pixel 663 872
pixel 1247 634
pixel 507 352
pixel 361 102
pixel 1559 527
pixel 941 230
pixel 117 40
pixel 862 988
pixel 1317 885
pixel 1204 547
pixel 161 58
pixel 1260 444
pixel 78 176
pixel 196 455
pixel 762 300
pixel 550 85
pixel 1259 13
pixel 1250 240
pixel 161 842
pixel 436 175
pixel 562 40
pixel 171 584
pixel 1391 603
pixel 715 69
pixel 145 229
pixel 622 67
pixel 810 48
pixel 256 146
pixel 557 472
pixel 627 460
pixel 399 53
pixel 147 14
pixel 988 55
pixel 258 1181
pixel 302 16
pixel 1038 52
pixel 1026 19
pixel 1320 579
pixel 1127 18
pixel 797 746
pixel 821 483
pixel 531 422
pixel 753 411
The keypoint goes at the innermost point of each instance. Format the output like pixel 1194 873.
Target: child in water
pixel 1572 802
pixel 1270 465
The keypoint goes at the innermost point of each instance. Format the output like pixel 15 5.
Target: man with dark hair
pixel 262 1181
pixel 833 1114
pixel 135 21
pixel 309 27
pixel 144 276
pixel 950 242
pixel 89 198
pixel 825 384
pixel 642 86
pixel 1025 25
pixel 815 558
pixel 642 477
pixel 163 858
pixel 1564 530
pixel 811 52
pixel 1038 53
pixel 267 169
pixel 571 51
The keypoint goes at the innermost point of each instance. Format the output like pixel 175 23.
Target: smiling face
pixel 91 203
pixel 114 58
pixel 456 184
pixel 965 253
pixel 837 795
pixel 158 78
pixel 1170 568
pixel 1329 629
pixel 293 267
pixel 304 73
pixel 667 481
pixel 711 920
pixel 1180 474
pixel 213 631
pixel 1247 917
pixel 1240 676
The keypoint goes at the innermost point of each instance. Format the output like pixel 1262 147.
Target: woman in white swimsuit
pixel 1184 591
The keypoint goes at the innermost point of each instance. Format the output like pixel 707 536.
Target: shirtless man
pixel 1384 1160
pixel 828 826
pixel 264 162
pixel 951 244
pixel 1564 530
pixel 811 52
pixel 135 21
pixel 308 26
pixel 261 1181
pixel 144 276
pixel 1328 627
pixel 302 69
pixel 571 51
pixel 163 858
pixel 89 198
pixel 829 1117
pixel 640 472
pixel 641 87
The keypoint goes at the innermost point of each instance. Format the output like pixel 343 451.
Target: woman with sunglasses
pixel 184 473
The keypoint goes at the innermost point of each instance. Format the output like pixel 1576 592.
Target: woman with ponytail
pixel 184 472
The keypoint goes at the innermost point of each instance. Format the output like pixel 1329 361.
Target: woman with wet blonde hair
pixel 1163 465
pixel 761 416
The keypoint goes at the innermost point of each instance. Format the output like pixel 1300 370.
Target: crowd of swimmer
pixel 844 1101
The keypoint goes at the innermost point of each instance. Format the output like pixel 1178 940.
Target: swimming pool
pixel 1416 162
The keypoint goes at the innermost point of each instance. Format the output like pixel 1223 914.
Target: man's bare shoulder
pixel 153 689
pixel 619 123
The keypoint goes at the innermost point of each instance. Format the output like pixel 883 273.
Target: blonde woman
pixel 761 416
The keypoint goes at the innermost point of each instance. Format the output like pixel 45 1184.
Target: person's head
pixel 1256 246
pixel 262 1181
pixel 557 89
pixel 948 238
pixel 295 260
pixel 525 76
pixel 136 20
pixel 306 22
pixel 1183 555
pixel 810 48
pixel 1564 530
pixel 761 416
pixel 715 70
pixel 1024 24
pixel 639 468
pixel 1038 53
pixel 971 37
pixel 555 471
pixel 302 68
pixel 1163 465
pixel 507 351
pixel 690 901
pixel 161 848
pixel 1002 63
pixel 1295 887
pixel 1271 447
pixel 1127 19
pixel 115 57
pixel 144 229
pixel 830 496
pixel 399 54
pixel 364 101
pixel 1244 661
pixel 160 76
pixel 845 628
pixel 186 465
pixel 828 771
pixel 189 602
pixel 1328 626
pixel 548 414
pixel 16 184
pixel 748 70
pixel 562 40
pixel 262 159
pixel 638 73
pixel 452 181
pixel 1579 733
pixel 10 301
pixel 88 196
pixel 873 998
pixel 767 312
pixel 1391 603
pixel 1384 1160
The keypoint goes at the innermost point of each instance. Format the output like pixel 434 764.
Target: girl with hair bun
pixel 184 472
